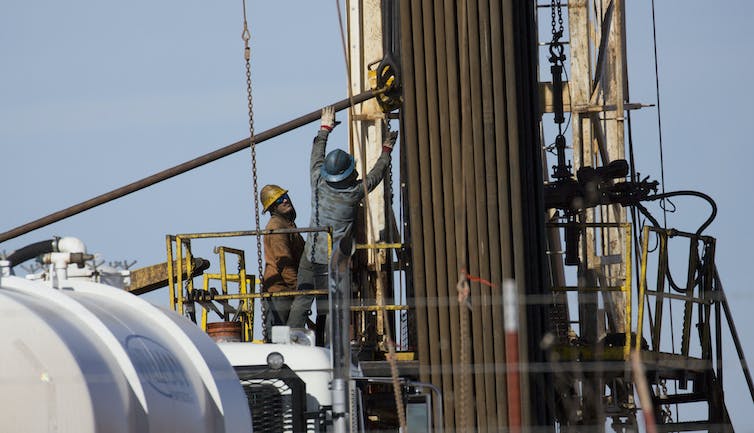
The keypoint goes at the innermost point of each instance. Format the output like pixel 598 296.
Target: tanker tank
pixel 80 356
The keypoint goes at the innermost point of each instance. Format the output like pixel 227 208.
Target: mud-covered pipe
pixel 33 250
pixel 181 168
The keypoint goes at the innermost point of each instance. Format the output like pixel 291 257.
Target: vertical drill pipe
pixel 179 169
pixel 481 342
pixel 495 341
pixel 456 204
pixel 503 192
pixel 410 147
pixel 467 146
pixel 435 155
pixel 426 194
pixel 448 112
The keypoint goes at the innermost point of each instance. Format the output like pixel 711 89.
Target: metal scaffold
pixel 614 353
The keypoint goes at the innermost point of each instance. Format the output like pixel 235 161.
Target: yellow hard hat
pixel 269 194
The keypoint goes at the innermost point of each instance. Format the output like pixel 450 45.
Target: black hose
pixel 644 211
pixel 33 250
pixel 692 193
pixel 699 231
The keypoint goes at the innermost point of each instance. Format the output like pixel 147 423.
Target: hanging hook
pixel 246 36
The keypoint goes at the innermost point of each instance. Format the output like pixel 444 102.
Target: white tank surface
pixel 86 357
pixel 312 364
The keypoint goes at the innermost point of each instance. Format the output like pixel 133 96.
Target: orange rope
pixel 478 279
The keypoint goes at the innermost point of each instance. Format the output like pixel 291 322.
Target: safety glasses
pixel 281 198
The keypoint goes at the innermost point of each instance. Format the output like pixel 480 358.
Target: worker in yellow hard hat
pixel 282 253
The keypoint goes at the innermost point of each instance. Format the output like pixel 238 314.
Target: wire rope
pixel 659 113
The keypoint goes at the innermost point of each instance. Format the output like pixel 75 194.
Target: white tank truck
pixel 80 356
pixel 83 356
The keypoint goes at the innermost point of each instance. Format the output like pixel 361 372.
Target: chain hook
pixel 556 47
pixel 246 35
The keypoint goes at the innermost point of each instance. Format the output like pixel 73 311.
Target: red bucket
pixel 224 332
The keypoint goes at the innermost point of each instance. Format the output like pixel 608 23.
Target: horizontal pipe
pixel 180 168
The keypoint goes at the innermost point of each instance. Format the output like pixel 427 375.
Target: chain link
pixel 560 17
pixel 316 223
pixel 557 59
pixel 392 235
pixel 389 179
pixel 246 36
pixel 665 412
pixel 553 6
pixel 556 47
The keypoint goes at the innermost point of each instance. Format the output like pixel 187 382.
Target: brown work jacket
pixel 282 253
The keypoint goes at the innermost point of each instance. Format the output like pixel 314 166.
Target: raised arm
pixel 379 169
pixel 327 123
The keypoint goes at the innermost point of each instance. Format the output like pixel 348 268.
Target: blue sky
pixel 95 95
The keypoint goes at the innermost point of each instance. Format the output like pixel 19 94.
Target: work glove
pixel 387 145
pixel 328 118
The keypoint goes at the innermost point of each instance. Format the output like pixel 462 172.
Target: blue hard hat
pixel 338 166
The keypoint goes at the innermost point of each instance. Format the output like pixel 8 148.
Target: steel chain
pixel 389 178
pixel 557 58
pixel 246 36
pixel 556 47
pixel 553 7
pixel 665 412
pixel 560 17
pixel 316 224
pixel 393 235
pixel 557 7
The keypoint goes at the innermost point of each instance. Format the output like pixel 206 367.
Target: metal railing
pixel 588 263
pixel 184 297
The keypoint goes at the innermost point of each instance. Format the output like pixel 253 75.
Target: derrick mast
pixel 612 292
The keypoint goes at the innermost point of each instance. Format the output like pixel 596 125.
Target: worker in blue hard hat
pixel 336 193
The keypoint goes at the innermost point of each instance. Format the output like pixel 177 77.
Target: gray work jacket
pixel 335 207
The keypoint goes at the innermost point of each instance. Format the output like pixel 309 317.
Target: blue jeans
pixel 311 276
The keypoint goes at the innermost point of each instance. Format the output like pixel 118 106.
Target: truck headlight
pixel 275 360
